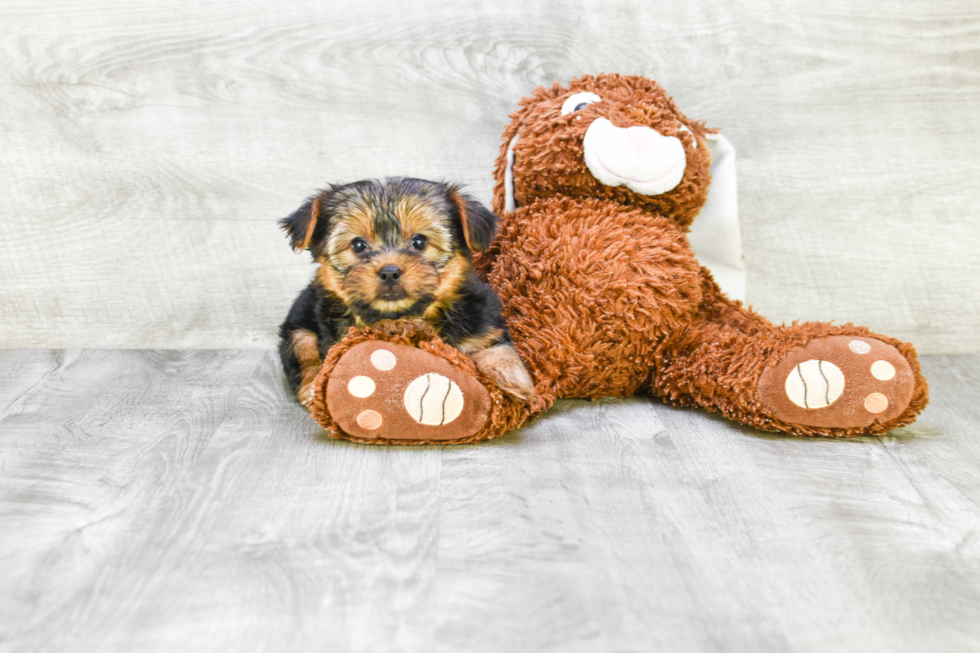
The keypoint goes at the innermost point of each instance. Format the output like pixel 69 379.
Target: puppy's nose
pixel 390 274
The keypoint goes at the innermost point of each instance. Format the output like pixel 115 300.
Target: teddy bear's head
pixel 612 136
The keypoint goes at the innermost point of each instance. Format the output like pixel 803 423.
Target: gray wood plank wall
pixel 146 149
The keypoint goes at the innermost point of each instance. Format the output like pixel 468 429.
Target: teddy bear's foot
pixel 848 382
pixel 384 391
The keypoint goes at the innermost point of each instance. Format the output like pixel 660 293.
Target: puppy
pixel 393 249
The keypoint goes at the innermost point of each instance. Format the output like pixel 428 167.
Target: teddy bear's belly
pixel 589 289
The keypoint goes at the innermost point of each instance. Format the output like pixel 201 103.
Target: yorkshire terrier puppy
pixel 393 249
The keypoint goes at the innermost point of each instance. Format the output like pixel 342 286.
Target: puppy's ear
pixel 478 222
pixel 302 223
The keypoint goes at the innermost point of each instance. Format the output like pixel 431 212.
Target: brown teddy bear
pixel 598 183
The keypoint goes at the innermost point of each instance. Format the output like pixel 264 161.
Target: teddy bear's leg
pixel 810 378
pixel 400 384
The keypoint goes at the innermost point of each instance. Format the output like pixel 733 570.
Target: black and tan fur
pixel 420 235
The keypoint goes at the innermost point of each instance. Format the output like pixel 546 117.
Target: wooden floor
pixel 178 501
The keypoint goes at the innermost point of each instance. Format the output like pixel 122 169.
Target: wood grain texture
pixel 148 149
pixel 163 501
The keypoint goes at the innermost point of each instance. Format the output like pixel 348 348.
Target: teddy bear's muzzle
pixel 640 158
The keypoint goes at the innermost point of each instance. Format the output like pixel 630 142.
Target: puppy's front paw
pixel 306 392
pixel 504 366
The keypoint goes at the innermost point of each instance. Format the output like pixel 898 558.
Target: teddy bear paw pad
pixel 387 391
pixel 839 382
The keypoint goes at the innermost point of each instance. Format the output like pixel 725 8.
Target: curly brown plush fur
pixel 601 290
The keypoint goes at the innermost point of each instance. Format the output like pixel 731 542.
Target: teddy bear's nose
pixel 640 139
pixel 638 157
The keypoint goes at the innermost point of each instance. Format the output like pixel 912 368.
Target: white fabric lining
pixel 715 236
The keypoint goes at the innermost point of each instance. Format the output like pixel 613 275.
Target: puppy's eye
pixel 419 242
pixel 578 101
pixel 358 245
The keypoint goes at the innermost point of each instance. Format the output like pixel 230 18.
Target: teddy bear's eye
pixel 578 101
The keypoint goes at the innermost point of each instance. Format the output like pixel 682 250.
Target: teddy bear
pixel 597 183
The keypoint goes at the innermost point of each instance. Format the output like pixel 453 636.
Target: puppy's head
pixel 394 248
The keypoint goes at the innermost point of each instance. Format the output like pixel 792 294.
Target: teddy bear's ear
pixel 302 223
pixel 478 223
